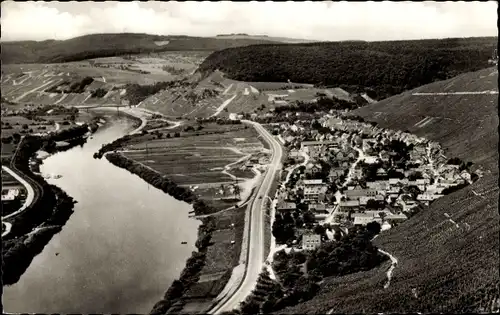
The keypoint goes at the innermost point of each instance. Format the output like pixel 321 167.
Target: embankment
pixel 191 273
pixel 33 228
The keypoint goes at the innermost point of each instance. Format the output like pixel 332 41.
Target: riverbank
pixel 223 253
pixel 34 227
pixel 191 273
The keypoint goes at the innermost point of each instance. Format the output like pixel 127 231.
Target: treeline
pixel 99 93
pixel 191 273
pixel 75 87
pixel 137 93
pixel 112 146
pixel 380 69
pixel 322 104
pixel 218 120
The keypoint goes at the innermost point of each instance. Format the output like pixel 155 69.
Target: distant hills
pixel 266 37
pixel 108 45
pixel 380 69
pixel 443 267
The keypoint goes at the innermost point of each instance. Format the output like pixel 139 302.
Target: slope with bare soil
pixel 447 253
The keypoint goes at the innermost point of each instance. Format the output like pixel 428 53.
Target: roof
pixel 317 206
pixel 313 181
pixel 286 205
pixel 366 220
pixel 358 192
pixel 307 237
pixel 349 203
pixel 308 143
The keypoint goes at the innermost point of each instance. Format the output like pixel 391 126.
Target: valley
pixel 196 130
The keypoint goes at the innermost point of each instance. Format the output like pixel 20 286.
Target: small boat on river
pixel 184 243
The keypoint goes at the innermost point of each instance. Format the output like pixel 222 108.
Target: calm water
pixel 120 250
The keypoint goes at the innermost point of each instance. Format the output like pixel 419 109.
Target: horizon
pixel 250 35
pixel 315 21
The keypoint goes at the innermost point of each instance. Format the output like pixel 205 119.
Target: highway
pixel 255 248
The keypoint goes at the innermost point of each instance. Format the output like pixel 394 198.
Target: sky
pixel 325 20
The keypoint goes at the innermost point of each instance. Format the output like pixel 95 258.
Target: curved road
pixel 29 198
pixel 255 255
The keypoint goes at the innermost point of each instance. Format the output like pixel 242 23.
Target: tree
pixel 382 215
pixel 250 307
pixel 25 126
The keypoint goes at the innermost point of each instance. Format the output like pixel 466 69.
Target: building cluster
pixel 357 173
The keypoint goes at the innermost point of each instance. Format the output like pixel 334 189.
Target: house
pixel 318 207
pixel 286 206
pixel 10 194
pixel 335 173
pixel 314 190
pixel 311 241
pixel 393 181
pixel 365 218
pixel 313 168
pixel 305 145
pixel 349 205
pixel 428 197
pixel 381 172
pixel 358 193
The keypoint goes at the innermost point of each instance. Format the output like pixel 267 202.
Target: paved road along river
pixel 120 250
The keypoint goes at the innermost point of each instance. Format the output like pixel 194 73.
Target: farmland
pixel 205 160
pixel 38 84
pixel 442 267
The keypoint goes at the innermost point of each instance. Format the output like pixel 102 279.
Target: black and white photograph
pixel 258 157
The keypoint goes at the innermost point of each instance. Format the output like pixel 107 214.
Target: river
pixel 121 248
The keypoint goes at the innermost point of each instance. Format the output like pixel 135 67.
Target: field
pixel 27 83
pixel 442 267
pixel 222 257
pixel 203 162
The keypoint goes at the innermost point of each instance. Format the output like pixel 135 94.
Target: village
pixel 343 173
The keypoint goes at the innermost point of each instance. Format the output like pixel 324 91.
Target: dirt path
pixel 17 99
pixel 394 263
pixel 223 105
pixel 455 93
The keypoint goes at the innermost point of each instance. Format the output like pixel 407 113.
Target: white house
pixel 311 241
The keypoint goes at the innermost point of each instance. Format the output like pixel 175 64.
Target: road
pixel 255 258
pixel 27 202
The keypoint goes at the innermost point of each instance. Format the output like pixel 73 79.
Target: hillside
pixel 108 45
pixel 381 69
pixel 265 37
pixel 443 266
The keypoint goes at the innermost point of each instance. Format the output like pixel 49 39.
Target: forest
pixel 380 69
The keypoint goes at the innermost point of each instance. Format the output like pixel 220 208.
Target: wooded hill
pixel 109 45
pixel 380 69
